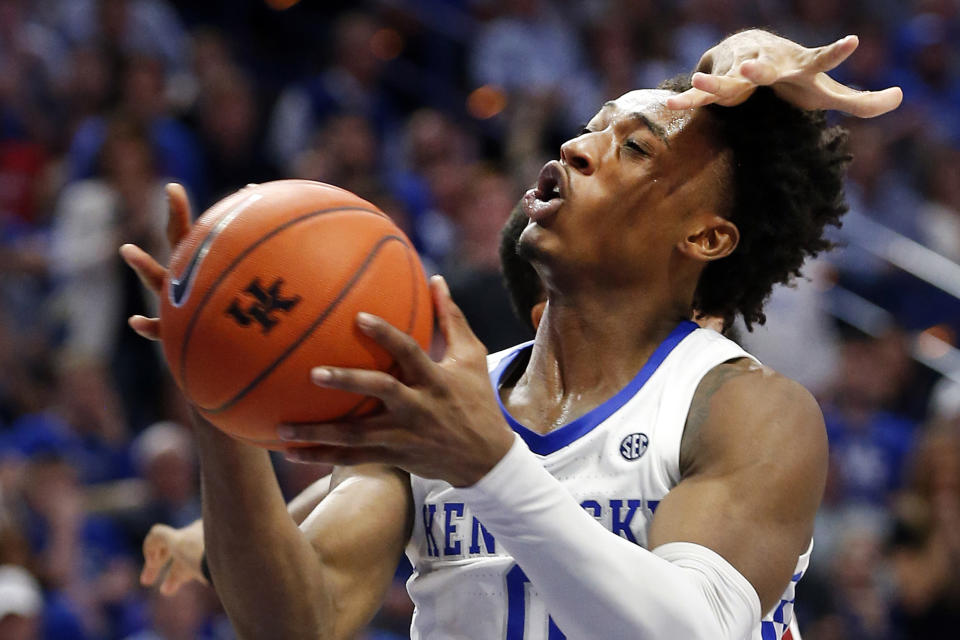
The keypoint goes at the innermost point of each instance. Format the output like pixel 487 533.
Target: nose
pixel 580 153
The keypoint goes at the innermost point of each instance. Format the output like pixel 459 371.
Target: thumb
pixel 456 332
pixel 156 553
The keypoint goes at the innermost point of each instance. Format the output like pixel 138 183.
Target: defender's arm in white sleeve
pixel 729 532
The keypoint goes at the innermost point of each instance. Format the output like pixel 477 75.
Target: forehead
pixel 650 103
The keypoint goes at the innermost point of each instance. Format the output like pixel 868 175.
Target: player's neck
pixel 598 343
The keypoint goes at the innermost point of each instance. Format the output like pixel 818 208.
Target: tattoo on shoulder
pixel 700 406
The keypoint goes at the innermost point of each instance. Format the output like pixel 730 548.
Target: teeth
pixel 551 193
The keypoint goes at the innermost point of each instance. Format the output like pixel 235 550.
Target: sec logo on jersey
pixel 634 446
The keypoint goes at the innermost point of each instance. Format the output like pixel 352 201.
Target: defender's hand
pixel 171 557
pixel 442 421
pixel 151 272
pixel 730 72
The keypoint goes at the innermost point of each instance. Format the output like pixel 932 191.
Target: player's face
pixel 616 202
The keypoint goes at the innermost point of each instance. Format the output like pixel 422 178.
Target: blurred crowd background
pixel 441 112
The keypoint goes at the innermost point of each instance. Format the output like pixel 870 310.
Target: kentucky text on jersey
pixel 452 532
pixel 617 461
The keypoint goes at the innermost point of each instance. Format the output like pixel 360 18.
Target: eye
pixel 636 147
pixel 584 131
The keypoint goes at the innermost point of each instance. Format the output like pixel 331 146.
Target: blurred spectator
pixel 125 203
pixel 32 61
pixel 627 49
pixel 800 337
pixel 928 74
pixel 143 102
pixel 856 604
pixel 818 21
pixel 871 67
pixel 184 615
pixel 125 27
pixel 344 154
pixel 944 401
pixel 352 84
pixel 869 446
pixel 475 277
pixel 102 100
pixel 876 187
pixel 82 558
pixel 26 369
pixel 211 56
pixel 437 154
pixel 702 24
pixel 20 604
pixel 164 457
pixel 81 421
pixel 939 217
pixel 230 133
pixel 533 32
pixel 925 561
pixel 89 89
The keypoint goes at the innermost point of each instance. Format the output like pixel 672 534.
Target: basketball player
pixel 173 557
pixel 625 475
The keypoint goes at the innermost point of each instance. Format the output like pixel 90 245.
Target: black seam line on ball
pixel 394 369
pixel 344 291
pixel 188 334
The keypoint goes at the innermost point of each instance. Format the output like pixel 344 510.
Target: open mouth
pixel 551 183
pixel 543 201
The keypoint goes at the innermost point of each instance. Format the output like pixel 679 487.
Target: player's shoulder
pixel 751 389
pixel 760 412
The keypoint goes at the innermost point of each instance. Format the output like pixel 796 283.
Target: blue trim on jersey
pixel 570 432
pixel 778 613
pixel 768 631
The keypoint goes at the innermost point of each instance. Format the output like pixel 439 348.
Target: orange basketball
pixel 268 285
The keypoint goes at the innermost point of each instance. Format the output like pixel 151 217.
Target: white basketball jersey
pixel 618 460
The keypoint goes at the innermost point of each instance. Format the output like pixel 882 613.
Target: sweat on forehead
pixel 650 106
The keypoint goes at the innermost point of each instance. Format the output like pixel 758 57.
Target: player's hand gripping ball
pixel 268 285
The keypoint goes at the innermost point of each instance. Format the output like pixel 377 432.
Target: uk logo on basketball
pixel 264 307
pixel 634 446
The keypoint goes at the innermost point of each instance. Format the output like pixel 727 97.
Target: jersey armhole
pixel 714 351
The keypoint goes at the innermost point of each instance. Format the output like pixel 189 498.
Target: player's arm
pixel 728 73
pixel 307 500
pixel 324 579
pixel 443 422
pixel 754 462
pixel 275 579
pixel 173 557
pixel 724 541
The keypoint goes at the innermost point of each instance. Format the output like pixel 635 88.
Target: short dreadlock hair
pixel 787 171
pixel 520 279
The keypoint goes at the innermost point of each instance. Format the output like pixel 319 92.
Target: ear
pixel 536 313
pixel 715 237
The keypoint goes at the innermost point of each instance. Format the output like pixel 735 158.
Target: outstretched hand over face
pixel 729 73
pixel 441 421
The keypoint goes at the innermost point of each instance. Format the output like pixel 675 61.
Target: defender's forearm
pixel 265 571
pixel 307 500
pixel 299 508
